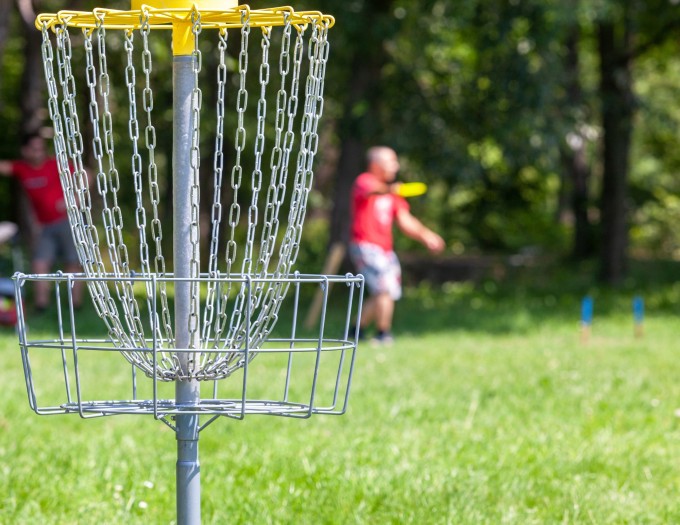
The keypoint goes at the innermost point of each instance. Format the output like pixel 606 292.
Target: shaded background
pixel 543 128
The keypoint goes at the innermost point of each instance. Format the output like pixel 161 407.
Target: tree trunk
pixel 359 130
pixel 350 164
pixel 31 104
pixel 5 9
pixel 31 82
pixel 616 94
pixel 574 154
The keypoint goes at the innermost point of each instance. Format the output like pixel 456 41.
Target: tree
pixel 31 81
pixel 624 33
pixel 5 8
pixel 361 51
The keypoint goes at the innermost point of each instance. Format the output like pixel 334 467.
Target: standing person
pixel 38 175
pixel 376 205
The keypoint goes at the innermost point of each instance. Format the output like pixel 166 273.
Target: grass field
pixel 488 409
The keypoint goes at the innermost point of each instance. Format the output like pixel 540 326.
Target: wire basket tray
pixel 293 371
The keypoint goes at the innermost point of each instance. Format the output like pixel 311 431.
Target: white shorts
pixel 380 268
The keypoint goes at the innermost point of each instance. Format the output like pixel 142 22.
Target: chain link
pixel 279 158
pixel 154 191
pixel 109 181
pixel 98 290
pixel 61 150
pixel 194 229
pixel 216 215
pixel 250 245
pixel 236 179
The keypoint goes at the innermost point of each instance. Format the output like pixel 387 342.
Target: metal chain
pixel 73 177
pixel 76 181
pixel 279 173
pixel 194 230
pixel 318 54
pixel 154 191
pixel 255 306
pixel 98 289
pixel 313 107
pixel 289 139
pixel 256 180
pixel 255 293
pixel 277 167
pixel 109 181
pixel 130 306
pixel 236 179
pixel 218 171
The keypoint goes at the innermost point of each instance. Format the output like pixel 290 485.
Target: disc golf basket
pixel 197 328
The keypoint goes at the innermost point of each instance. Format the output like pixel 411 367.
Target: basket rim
pixel 166 18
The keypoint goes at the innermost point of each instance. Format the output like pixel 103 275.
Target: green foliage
pixel 473 96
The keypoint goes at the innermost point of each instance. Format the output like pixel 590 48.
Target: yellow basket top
pixel 167 18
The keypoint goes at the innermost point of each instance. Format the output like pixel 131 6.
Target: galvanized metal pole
pixel 187 392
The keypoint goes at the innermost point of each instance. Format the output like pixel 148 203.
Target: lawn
pixel 489 408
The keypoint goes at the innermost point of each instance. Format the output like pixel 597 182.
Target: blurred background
pixel 545 130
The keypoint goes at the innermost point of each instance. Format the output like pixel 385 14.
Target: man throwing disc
pixel 376 205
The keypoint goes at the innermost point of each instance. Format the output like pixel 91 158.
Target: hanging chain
pixel 269 186
pixel 256 180
pixel 194 230
pixel 277 184
pixel 130 305
pixel 218 172
pixel 279 158
pixel 109 181
pixel 111 215
pixel 289 140
pixel 154 190
pixel 255 292
pixel 236 178
pixel 240 140
pixel 98 290
pixel 313 107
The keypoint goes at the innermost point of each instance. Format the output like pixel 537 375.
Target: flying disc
pixel 412 189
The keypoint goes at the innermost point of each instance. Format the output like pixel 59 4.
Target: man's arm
pixel 417 230
pixel 5 167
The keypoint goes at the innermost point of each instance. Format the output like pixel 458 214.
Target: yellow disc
pixel 412 189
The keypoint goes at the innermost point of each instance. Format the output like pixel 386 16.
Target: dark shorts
pixel 56 243
pixel 380 268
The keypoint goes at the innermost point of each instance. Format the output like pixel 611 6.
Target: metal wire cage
pixel 199 330
pixel 261 177
pixel 298 372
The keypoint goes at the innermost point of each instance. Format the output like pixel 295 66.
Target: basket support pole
pixel 187 392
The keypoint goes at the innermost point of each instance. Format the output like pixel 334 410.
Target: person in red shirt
pixel 38 175
pixel 376 205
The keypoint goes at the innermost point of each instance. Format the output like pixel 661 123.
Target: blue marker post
pixel 586 317
pixel 638 315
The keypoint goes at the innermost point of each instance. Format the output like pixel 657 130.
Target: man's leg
pixel 384 311
pixel 380 308
pixel 367 312
pixel 42 288
pixel 69 256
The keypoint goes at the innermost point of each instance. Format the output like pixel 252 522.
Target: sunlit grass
pixel 489 408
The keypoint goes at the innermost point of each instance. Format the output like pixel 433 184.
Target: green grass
pixel 488 409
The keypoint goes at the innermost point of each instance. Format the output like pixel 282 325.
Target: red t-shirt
pixel 374 213
pixel 43 188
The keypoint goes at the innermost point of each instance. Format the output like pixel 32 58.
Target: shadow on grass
pixel 524 299
pixel 531 297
